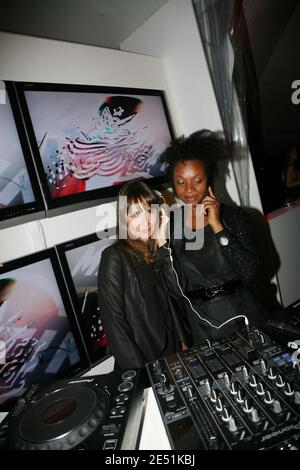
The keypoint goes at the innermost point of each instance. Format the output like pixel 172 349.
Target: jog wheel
pixel 61 419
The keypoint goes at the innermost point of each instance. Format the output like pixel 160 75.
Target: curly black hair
pixel 203 145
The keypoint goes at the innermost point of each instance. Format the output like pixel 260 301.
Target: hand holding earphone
pixel 163 226
pixel 211 209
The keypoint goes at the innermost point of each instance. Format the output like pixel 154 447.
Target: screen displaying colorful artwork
pixel 89 140
pixel 17 196
pixel 80 260
pixel 39 339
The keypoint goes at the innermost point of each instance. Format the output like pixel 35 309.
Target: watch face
pixel 224 241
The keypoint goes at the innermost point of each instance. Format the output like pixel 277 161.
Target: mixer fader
pixel 239 393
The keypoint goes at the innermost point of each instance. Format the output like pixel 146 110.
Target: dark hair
pixel 136 192
pixel 204 145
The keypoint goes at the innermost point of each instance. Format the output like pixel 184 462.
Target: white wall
pixel 172 34
pixel 25 58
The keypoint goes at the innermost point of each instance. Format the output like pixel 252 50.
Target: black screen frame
pixel 50 254
pixel 62 248
pixel 63 204
pixel 14 215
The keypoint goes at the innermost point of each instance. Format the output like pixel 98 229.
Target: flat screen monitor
pixel 80 260
pixel 20 195
pixel 89 140
pixel 39 337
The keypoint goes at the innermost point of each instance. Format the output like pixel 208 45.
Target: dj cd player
pixel 96 412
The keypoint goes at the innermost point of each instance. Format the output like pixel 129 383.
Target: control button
pixel 247 406
pixel 171 404
pixel 262 338
pixel 288 390
pixel 271 374
pixel 118 410
pixel 122 398
pixel 254 415
pixel 252 381
pixel 226 380
pixel 279 381
pixel 245 373
pixel 213 443
pixel 213 396
pixel 232 425
pixel 189 392
pixel 297 397
pixel 240 396
pixel 193 361
pixel 263 366
pixel 277 407
pixel 233 388
pixel 225 414
pixel 179 373
pixel 110 444
pixel 129 375
pixel 268 398
pixel 207 387
pixel 125 386
pixel 219 405
pixel 260 389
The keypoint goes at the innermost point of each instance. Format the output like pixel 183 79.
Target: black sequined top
pixel 213 264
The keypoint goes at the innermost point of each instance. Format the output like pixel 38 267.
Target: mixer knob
pixel 207 387
pixel 268 398
pixel 288 390
pixel 254 415
pixel 247 406
pixel 245 373
pixel 262 339
pixel 233 388
pixel 252 381
pixel 271 374
pixel 189 392
pixel 226 380
pixel 279 381
pixel 297 397
pixel 260 389
pixel 193 361
pixel 225 414
pixel 263 366
pixel 213 396
pixel 213 443
pixel 240 396
pixel 232 425
pixel 179 373
pixel 277 407
pixel 164 386
pixel 219 405
pixel 171 404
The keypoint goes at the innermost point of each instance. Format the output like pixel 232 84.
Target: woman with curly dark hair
pixel 216 276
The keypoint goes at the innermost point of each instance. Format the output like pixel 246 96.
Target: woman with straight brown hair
pixel 138 314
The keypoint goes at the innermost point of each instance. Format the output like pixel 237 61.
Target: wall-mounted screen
pixel 19 191
pixel 80 259
pixel 39 337
pixel 88 141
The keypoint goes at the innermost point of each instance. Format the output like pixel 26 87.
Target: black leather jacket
pixel 137 313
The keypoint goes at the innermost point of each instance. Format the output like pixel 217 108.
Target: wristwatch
pixel 223 240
